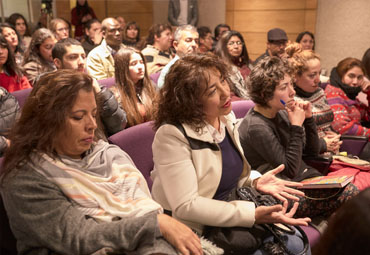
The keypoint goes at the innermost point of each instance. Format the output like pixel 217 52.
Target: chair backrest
pixel 21 96
pixel 241 108
pixel 137 142
pixel 108 82
pixel 7 239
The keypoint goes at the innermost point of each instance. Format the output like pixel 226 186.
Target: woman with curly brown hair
pixel 198 160
pixel 133 88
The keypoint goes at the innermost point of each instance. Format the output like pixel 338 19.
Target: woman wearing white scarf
pixel 67 192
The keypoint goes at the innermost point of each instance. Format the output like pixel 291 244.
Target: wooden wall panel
pixel 253 18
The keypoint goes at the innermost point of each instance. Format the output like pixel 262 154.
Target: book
pixel 326 182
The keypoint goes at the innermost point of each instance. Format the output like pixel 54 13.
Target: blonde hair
pixel 299 57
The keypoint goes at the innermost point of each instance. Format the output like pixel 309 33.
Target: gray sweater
pixel 44 221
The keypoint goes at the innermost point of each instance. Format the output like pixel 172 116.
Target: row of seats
pixel 137 142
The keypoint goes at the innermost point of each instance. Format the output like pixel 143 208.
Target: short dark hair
pixel 156 29
pixel 264 78
pixel 300 36
pixel 203 31
pixel 366 62
pixel 90 22
pixel 187 80
pixel 217 29
pixel 59 48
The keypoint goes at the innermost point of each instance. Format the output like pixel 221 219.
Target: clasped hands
pixel 282 190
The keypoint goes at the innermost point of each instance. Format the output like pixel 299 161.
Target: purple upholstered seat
pixel 241 108
pixel 137 142
pixel 108 82
pixel 154 77
pixel 21 96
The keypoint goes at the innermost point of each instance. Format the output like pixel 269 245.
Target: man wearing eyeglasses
pixel 276 43
pixel 100 62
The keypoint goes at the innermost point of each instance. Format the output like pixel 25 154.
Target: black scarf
pixel 336 81
pixel 301 93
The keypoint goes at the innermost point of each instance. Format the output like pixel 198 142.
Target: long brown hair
pixel 130 91
pixel 44 116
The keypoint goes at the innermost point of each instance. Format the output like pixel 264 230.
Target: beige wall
pixel 342 30
pixel 211 12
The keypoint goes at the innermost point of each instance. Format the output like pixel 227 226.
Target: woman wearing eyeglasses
pixel 231 48
pixel 346 82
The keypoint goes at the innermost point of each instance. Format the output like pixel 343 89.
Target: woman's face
pixel 46 47
pixel 3 55
pixel 310 79
pixel 61 31
pixel 11 37
pixel 353 77
pixel 284 91
pixel 131 32
pixel 235 46
pixel 78 134
pixel 20 26
pixel 81 2
pixel 307 42
pixel 136 67
pixel 216 98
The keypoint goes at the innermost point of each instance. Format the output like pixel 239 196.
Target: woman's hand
pixel 296 113
pixel 270 184
pixel 279 214
pixel 179 235
pixel 332 141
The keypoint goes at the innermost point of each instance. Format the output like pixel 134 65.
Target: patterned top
pixel 348 113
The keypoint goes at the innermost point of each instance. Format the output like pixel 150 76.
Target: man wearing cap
pixel 276 43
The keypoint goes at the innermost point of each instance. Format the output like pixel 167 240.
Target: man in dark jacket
pixel 276 43
pixel 69 54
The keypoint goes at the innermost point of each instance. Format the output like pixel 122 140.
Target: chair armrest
pixel 319 162
pixel 353 144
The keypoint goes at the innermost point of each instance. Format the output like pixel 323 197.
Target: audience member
pixel 197 156
pixel 276 43
pixel 231 48
pixel 366 63
pixel 133 88
pixel 131 34
pixel 185 42
pixel 13 39
pixel 121 21
pixel 81 14
pixel 205 39
pixel 93 35
pixel 9 111
pixel 69 54
pixel 100 62
pixel 346 81
pixel 348 229
pixel 60 28
pixel 307 67
pixel 220 29
pixel 83 192
pixel 183 12
pixel 11 76
pixel 38 58
pixel 279 130
pixel 307 40
pixel 19 22
pixel 158 43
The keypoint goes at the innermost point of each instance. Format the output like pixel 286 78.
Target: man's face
pixel 187 44
pixel 207 41
pixel 113 33
pixel 276 48
pixel 74 58
pixel 222 30
pixel 94 29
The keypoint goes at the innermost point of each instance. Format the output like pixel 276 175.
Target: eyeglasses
pixel 63 29
pixel 232 43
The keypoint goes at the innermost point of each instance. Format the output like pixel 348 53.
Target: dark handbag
pixel 241 240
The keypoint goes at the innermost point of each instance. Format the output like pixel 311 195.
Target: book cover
pixel 323 182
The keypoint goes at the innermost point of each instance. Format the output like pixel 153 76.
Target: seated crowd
pixel 66 190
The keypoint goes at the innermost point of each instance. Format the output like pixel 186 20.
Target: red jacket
pixel 13 83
